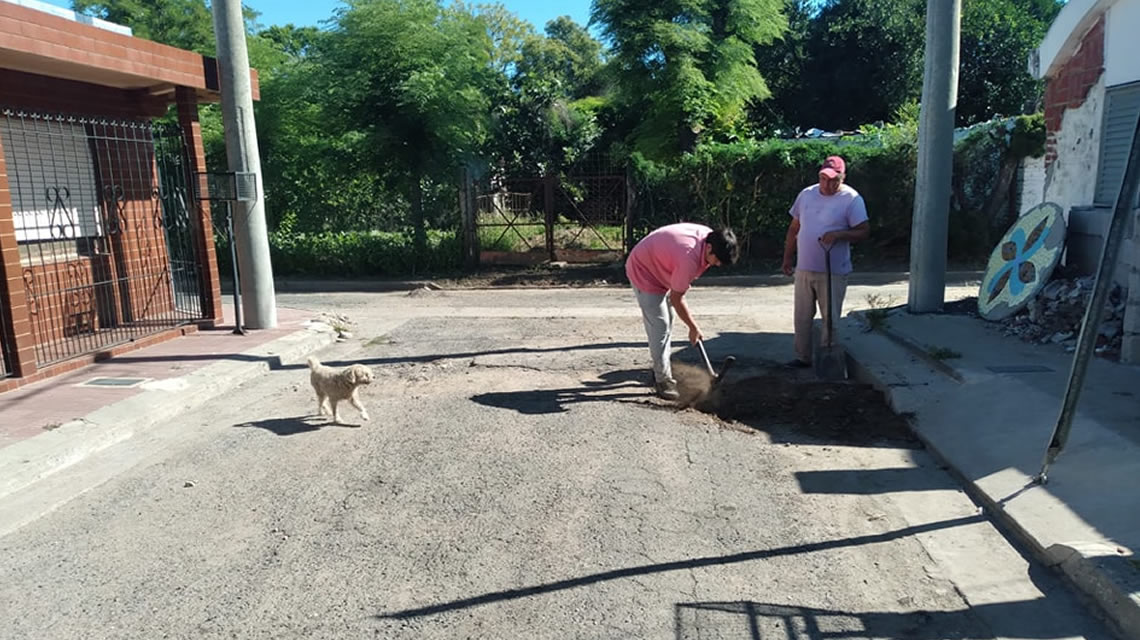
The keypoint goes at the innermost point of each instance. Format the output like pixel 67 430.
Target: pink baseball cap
pixel 833 167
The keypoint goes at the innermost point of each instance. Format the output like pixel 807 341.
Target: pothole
pixel 773 400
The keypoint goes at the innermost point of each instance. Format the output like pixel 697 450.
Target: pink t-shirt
pixel 669 258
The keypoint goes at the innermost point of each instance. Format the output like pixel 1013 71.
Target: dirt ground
pixel 799 409
pixel 538 276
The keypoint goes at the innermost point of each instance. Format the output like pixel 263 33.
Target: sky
pixel 312 12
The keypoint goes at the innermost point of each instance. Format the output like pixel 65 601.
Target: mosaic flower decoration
pixel 1022 262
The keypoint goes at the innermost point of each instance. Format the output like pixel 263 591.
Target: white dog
pixel 333 385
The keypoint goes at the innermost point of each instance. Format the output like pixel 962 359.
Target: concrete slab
pixel 992 429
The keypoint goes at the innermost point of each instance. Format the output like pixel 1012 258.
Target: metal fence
pixel 105 226
pixel 5 348
pixel 578 215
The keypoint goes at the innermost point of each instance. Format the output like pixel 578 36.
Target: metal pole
pixel 935 158
pixel 259 304
pixel 1090 326
pixel 239 322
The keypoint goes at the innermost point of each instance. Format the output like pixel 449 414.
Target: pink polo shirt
pixel 669 258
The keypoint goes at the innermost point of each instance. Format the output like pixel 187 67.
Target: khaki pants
pixel 811 289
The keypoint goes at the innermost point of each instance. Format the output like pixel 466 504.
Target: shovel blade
pixel 831 363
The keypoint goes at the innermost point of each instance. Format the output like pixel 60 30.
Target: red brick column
pixel 192 130
pixel 1069 88
pixel 13 301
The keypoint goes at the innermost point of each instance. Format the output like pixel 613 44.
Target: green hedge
pixel 751 185
pixel 349 254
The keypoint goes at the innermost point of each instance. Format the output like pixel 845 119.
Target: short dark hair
pixel 724 247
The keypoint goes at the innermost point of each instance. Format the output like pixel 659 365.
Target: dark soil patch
pixel 591 275
pixel 963 307
pixel 844 413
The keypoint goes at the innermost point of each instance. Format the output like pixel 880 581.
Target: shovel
pixel 830 360
pixel 728 361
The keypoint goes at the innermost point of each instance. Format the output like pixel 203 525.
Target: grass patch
pixel 876 314
pixel 942 353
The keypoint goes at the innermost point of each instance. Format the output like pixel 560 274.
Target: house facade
pixel 1091 69
pixel 104 247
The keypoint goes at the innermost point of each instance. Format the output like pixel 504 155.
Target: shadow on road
pixel 677 565
pixel 627 386
pixel 756 620
pixel 873 481
pixel 293 426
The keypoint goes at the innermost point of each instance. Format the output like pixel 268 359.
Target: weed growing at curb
pixel 877 313
pixel 942 353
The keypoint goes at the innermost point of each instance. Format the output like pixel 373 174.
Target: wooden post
pixel 469 210
pixel 548 209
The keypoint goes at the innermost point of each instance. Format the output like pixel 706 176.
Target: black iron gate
pixel 106 229
pixel 6 365
pixel 582 215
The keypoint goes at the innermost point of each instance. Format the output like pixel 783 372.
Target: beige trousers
pixel 810 291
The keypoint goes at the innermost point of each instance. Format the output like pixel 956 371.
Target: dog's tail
pixel 313 362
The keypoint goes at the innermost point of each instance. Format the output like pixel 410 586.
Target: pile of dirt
pixel 837 412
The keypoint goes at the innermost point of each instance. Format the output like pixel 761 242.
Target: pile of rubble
pixel 1055 315
pixel 337 322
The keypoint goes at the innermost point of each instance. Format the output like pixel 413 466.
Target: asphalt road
pixel 518 481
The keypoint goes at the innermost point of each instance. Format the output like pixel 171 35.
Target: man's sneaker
pixel 797 364
pixel 667 390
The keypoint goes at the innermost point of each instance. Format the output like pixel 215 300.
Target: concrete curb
pixel 1093 571
pixel 376 285
pixel 916 349
pixel 31 460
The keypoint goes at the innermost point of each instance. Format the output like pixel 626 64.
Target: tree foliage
pixel 854 62
pixel 414 79
pixel 686 67
pixel 363 124
pixel 997 36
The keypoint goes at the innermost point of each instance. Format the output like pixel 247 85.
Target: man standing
pixel 825 216
pixel 660 268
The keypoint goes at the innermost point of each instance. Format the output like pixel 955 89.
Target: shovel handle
pixel 701 345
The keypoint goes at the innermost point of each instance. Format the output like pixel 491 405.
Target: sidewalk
pixel 49 425
pixel 986 404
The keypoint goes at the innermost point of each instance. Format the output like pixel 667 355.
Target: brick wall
pixel 41 93
pixel 1069 88
pixel 71 49
pixel 123 278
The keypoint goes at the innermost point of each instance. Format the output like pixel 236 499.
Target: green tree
pixel 864 62
pixel 784 62
pixel 846 63
pixel 295 42
pixel 997 37
pixel 186 24
pixel 686 67
pixel 548 118
pixel 413 78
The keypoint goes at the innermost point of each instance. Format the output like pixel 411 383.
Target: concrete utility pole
pixel 259 302
pixel 935 158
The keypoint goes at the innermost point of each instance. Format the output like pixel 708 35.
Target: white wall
pixel 1032 184
pixel 1121 50
pixel 1071 181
